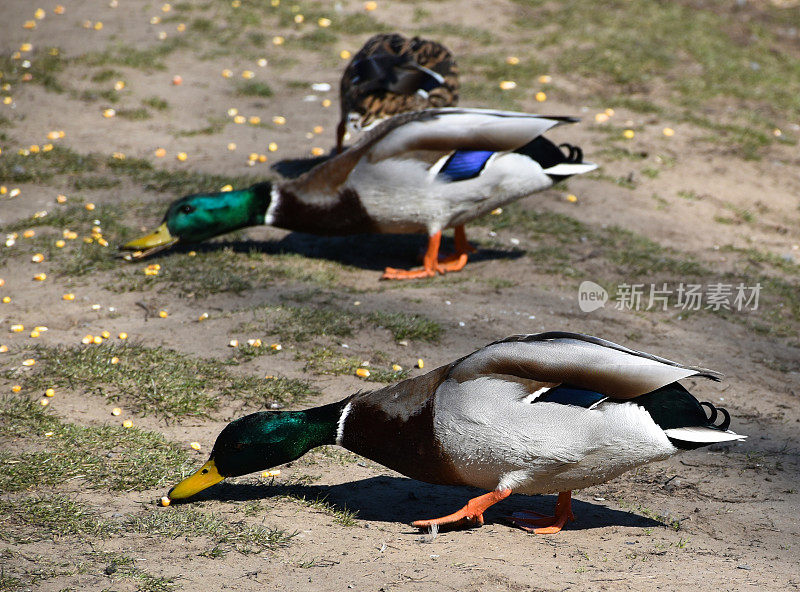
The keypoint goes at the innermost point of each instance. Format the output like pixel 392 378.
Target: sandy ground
pixel 720 518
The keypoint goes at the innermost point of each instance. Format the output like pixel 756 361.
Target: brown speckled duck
pixel 392 74
pixel 530 414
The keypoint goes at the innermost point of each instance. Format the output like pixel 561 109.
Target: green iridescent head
pixel 198 217
pixel 260 441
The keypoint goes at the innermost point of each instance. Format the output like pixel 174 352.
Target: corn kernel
pixel 203 317
pixel 362 372
pixel 182 156
pixel 273 146
pixel 276 346
pixel 324 22
pixel 240 119
pixel 44 402
pixel 98 339
pixel 668 131
pixel 89 206
pixel 231 146
pixel 160 152
pixel 127 423
pixel 248 74
pixel 39 14
pixel 51 392
pixel 371 5
pixel 28 362
pixel 164 501
pixel 508 85
pixel 420 363
pixel 272 473
pixel 344 54
pixel 87 339
pixel 98 26
pixel 34 334
pixel 571 198
pixel 60 243
pixel 278 40
pixel 540 96
pixel 59 9
pixel 17 328
pixel 317 151
pixel 195 446
pixel 40 277
pixel 397 367
pixel 163 314
pixel 123 335
pixel 326 103
pixel 68 297
pixel 233 343
pixel 16 388
pixel 254 120
pixel 226 188
pixel 512 60
pixel 3 349
pixel 37 258
pixel 115 360
pixel 109 113
pixel 29 234
pixel 116 411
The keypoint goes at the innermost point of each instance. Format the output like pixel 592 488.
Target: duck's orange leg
pixel 469 515
pixel 458 260
pixel 546 524
pixel 430 263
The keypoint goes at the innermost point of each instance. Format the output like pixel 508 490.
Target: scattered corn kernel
pixel 324 22
pixel 601 117
pixel 326 103
pixel 248 74
pixel 119 85
pixel 163 314
pixel 628 134
pixel 115 360
pixel 164 501
pixel 37 258
pixel 254 120
pixel 29 25
pixel 182 156
pixel 44 402
pixel 3 349
pixel 47 147
pixel 25 47
pixel 279 120
pixel 89 206
pixel 109 113
pixel 227 73
pixel 16 388
pixel 239 119
pixel 17 328
pixel 317 151
pixel 192 253
pixel 362 372
pixel 231 146
pixel 541 97
pixel 278 40
pixel 344 54
pixel 123 335
pixel 60 243
pixel 195 446
pixel 203 317
pixel 233 343
pixel 254 342
pixel 28 362
pixel 40 328
pixel 272 147
pixel 181 27
pixel 40 277
pixel 127 423
pixel 29 234
pixel 273 473
pixel 397 367
pixel 51 392
pixel 262 62
pixel 98 339
pixel 69 297
pixel 571 198
pixel 420 363
pixel 496 211
pixel 262 158
pixel 116 411
pixel 512 60
pixel 507 85
pixel 87 339
pixel 668 131
pixel 98 26
pixel 34 334
pixel 371 5
pixel 59 9
pixel 276 346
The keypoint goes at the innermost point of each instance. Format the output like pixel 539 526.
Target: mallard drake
pixel 392 74
pixel 417 172
pixel 531 414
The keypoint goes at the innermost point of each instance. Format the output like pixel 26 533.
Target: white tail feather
pixel 702 435
pixel 571 168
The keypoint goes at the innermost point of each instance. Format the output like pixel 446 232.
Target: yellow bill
pixel 202 479
pixel 151 243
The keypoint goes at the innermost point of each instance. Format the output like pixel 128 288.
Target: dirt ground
pixel 713 199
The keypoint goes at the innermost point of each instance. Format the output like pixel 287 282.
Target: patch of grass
pixel 156 103
pixel 138 114
pixel 323 360
pixel 148 59
pixel 215 126
pixel 359 23
pixel 253 88
pixel 106 74
pixel 35 518
pixel 318 40
pixel 108 457
pixel 45 65
pixel 341 516
pixel 15 168
pixel 408 326
pixel 181 521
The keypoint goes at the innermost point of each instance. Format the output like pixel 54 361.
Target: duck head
pixel 260 441
pixel 198 217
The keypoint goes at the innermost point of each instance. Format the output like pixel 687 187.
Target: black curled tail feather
pixel 726 422
pixel 574 153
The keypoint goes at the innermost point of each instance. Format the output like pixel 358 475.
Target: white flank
pixel 702 435
pixel 340 425
pixel 274 198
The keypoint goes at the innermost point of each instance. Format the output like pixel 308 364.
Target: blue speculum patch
pixel 569 395
pixel 465 164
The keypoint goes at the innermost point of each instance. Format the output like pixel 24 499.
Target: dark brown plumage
pixel 392 74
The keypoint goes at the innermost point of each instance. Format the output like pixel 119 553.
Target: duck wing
pixel 428 135
pixel 578 360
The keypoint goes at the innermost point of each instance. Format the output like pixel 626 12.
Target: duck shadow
pixel 364 251
pixel 398 499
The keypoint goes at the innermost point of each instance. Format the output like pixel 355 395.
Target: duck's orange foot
pixel 390 273
pixel 539 523
pixel 454 262
pixel 470 515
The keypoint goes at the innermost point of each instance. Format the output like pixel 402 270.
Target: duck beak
pixel 144 246
pixel 204 478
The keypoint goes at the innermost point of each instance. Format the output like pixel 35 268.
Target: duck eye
pixel 187 209
pixel 204 471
